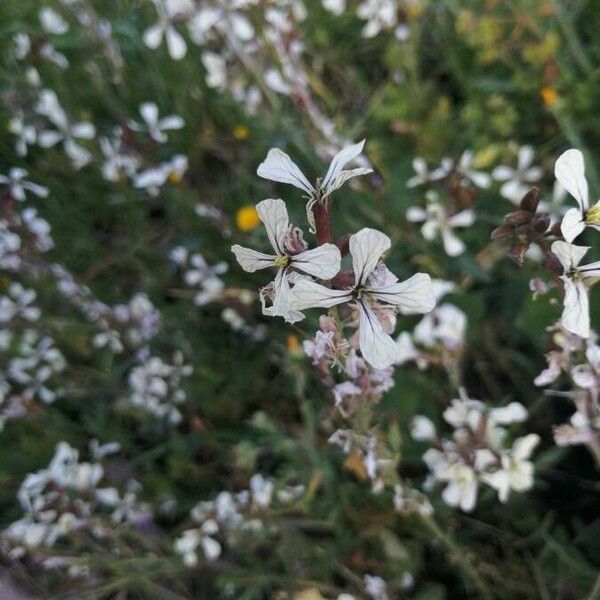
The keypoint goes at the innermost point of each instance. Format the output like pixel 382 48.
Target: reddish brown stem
pixel 321 212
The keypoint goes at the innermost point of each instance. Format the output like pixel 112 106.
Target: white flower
pixel 66 133
pixel 411 296
pixel 424 175
pixel 117 162
pixel 216 69
pixel 465 169
pixel 322 262
pixel 379 14
pixel 570 173
pixel 517 182
pixel 516 472
pixel 337 7
pixel 154 126
pixel 376 587
pixel 167 10
pixel 18 302
pixel 152 179
pixel 26 134
pixel 422 429
pixel 224 19
pixel 17 186
pixel 576 312
pixel 462 486
pixel 514 412
pixel 438 223
pixel 446 325
pixel 261 490
pixel 278 166
pixel 52 22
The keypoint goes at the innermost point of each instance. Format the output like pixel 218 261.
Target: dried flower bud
pixel 517 252
pixel 541 222
pixel 530 201
pixel 555 230
pixel 502 232
pixel 518 217
pixel 553 264
pixel 343 243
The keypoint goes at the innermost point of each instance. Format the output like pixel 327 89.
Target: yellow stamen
pixel 282 261
pixel 592 216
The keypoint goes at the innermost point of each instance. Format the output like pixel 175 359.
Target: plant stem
pixel 322 214
pixel 458 556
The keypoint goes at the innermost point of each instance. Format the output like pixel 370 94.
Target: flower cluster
pixel 228 517
pixel 67 499
pixel 369 293
pixel 156 386
pixel 477 451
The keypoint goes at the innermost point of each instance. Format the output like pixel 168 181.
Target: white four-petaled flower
pixel 67 132
pixel 17 186
pixel 438 222
pixel 278 166
pixel 154 126
pixel 322 262
pixel 516 471
pixel 167 10
pixel 576 312
pixel 518 181
pixel 570 173
pixel 371 286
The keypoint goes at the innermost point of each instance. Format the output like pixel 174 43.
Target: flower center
pixel 282 261
pixel 592 216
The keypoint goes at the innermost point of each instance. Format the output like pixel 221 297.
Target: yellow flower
pixel 241 132
pixel 549 95
pixel 293 345
pixel 246 218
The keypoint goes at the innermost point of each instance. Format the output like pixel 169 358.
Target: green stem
pixel 458 556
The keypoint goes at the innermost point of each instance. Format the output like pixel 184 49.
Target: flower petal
pixel 569 169
pixel 464 218
pixel 149 112
pixel 377 347
pixel 343 176
pixel 274 215
pixel 153 36
pixel 524 446
pixel 278 166
pixel 413 296
pixel 453 245
pixel 310 294
pixel 251 260
pixel 366 247
pixel 322 262
pixel 175 43
pixel 569 255
pixel 339 161
pixel 171 122
pixel 572 224
pixel 576 312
